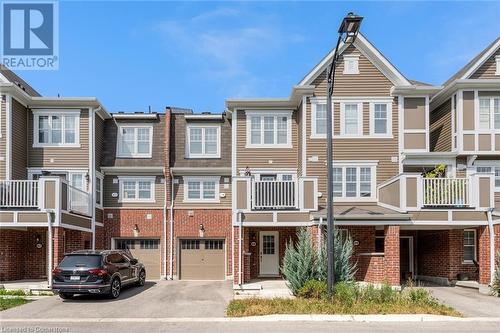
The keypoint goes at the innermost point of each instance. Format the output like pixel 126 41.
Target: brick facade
pixel 216 224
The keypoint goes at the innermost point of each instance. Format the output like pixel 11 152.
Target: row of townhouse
pixel 218 196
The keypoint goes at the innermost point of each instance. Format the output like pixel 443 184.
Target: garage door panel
pixel 202 260
pixel 147 251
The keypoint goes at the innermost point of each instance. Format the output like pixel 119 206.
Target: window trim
pixel 475 247
pixel 99 178
pixel 201 179
pixel 275 114
pixel 349 58
pixel 358 166
pixel 314 134
pixel 56 112
pixel 203 154
pixel 497 61
pixel 388 133
pixel 491 114
pixel 360 120
pixel 137 179
pixel 119 152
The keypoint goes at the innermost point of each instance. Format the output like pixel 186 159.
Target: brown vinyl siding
pixel 99 141
pixel 260 157
pixel 440 127
pixel 99 215
pixel 299 140
pixel 72 157
pixel 178 138
pixel 110 143
pixel 224 202
pixel 488 69
pixel 112 202
pixel 3 137
pixel 19 140
pixel 370 82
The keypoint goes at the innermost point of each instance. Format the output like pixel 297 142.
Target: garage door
pixel 147 251
pixel 202 259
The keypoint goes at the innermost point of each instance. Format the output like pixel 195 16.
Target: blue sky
pixel 196 54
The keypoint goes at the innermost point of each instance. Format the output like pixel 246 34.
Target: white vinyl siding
pixel 135 141
pixel 203 141
pixel 269 130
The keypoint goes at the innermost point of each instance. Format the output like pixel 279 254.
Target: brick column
pixel 315 231
pixel 483 253
pixel 391 255
pixel 57 245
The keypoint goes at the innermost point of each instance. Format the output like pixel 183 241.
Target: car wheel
pixel 66 295
pixel 115 288
pixel 142 278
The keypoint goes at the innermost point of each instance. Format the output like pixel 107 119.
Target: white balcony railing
pixel 79 201
pixel 19 193
pixel 446 192
pixel 274 194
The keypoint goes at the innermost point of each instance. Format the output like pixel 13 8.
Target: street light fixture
pixel 348 31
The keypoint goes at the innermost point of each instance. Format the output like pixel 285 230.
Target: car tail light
pixel 56 271
pixel 98 272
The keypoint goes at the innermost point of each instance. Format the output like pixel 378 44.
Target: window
pixel 98 191
pixel 269 131
pixel 124 244
pixel 56 128
pixel 379 244
pixel 135 141
pixel 469 245
pixel 149 244
pixel 489 169
pixel 351 64
pixel 354 182
pixel 380 119
pixel 497 60
pixel 318 120
pixel 202 189
pixel 140 189
pixel 214 245
pixel 190 244
pixel 78 180
pixel 489 113
pixel 203 141
pixel 351 119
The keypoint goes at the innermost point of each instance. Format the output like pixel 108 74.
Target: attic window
pixel 497 58
pixel 351 65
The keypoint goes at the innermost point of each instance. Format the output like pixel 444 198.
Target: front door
pixel 269 253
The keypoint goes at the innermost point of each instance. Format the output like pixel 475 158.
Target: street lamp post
pixel 348 31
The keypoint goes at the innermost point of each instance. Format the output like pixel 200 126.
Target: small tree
pixel 299 261
pixel 496 279
pixel 345 269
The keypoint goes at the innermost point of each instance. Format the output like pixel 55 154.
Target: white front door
pixel 269 253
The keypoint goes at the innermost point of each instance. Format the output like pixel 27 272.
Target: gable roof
pixel 12 77
pixel 370 52
pixel 469 69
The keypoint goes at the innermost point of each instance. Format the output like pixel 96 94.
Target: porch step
pixel 264 289
pixel 467 284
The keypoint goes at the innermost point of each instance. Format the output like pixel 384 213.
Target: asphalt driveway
pixel 159 299
pixel 467 301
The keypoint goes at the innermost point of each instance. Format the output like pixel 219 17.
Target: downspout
pixel 171 254
pixel 240 259
pixel 164 245
pixel 49 248
pixel 492 245
pixel 92 172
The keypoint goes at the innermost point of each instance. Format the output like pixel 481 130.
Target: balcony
pixel 274 195
pixel 409 191
pixel 19 193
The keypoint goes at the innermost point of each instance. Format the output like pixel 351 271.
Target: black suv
pixel 96 272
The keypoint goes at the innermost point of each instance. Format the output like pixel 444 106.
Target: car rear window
pixel 81 261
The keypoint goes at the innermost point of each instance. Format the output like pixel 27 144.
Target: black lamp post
pixel 348 31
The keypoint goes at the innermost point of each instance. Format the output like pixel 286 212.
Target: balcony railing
pixel 446 192
pixel 274 194
pixel 79 201
pixel 18 193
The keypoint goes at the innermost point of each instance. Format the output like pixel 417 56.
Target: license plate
pixel 74 277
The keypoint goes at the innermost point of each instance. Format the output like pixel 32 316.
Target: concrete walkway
pixel 468 301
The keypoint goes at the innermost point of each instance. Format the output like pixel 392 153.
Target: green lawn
pixel 7 303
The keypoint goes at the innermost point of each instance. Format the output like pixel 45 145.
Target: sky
pixel 132 55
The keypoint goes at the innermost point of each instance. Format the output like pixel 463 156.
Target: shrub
pixel 299 264
pixel 418 295
pixel 496 279
pixel 313 289
pixel 346 293
pixel 345 269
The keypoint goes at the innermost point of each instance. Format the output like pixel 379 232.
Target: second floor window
pixel 201 189
pixel 98 191
pixel 380 121
pixel 353 181
pixel 269 130
pixel 140 189
pixel 351 115
pixel 203 141
pixel 489 113
pixel 135 141
pixel 56 129
pixel 319 120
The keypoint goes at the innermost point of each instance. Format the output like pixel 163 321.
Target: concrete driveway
pixel 468 301
pixel 159 299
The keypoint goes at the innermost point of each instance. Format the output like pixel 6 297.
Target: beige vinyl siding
pixel 72 157
pixel 260 157
pixel 369 82
pixel 497 200
pixel 224 202
pixel 111 202
pixel 19 140
pixel 299 140
pixel 3 137
pixel 440 127
pixel 488 69
pixel 99 141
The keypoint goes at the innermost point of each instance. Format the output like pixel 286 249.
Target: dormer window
pixel 135 141
pixel 351 64
pixel 203 141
